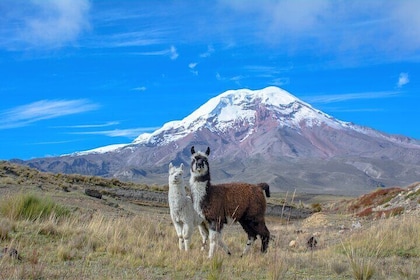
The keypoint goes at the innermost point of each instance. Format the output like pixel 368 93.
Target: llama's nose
pixel 200 164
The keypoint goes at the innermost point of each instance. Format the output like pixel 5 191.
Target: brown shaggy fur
pixel 243 202
pixel 239 201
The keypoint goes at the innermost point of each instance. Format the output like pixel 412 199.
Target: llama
pixel 244 203
pixel 183 215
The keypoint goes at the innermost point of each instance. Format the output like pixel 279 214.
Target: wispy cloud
pixel 42 110
pixel 359 29
pixel 403 80
pixel 357 110
pixel 143 88
pixel 332 98
pixel 280 81
pixel 146 37
pixel 173 53
pixel 90 125
pixel 262 69
pixel 129 133
pixel 46 24
pixel 52 142
pixel 209 52
pixel 192 67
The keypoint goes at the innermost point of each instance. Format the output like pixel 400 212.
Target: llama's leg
pixel 248 245
pixel 252 236
pixel 204 231
pixel 187 232
pixel 215 237
pixel 223 244
pixel 178 228
pixel 264 233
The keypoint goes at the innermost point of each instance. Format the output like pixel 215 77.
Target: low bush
pixel 30 207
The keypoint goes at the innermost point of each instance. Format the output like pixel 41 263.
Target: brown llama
pixel 241 202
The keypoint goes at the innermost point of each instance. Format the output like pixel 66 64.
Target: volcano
pixel 258 135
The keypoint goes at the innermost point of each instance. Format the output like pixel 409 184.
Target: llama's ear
pixel 181 166
pixel 192 150
pixel 170 165
pixel 208 151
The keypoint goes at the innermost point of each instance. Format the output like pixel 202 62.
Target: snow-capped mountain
pixel 235 108
pixel 261 135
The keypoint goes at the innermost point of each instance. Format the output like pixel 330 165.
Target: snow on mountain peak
pixel 221 113
pixel 230 104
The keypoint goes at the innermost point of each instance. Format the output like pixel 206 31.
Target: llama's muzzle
pixel 200 164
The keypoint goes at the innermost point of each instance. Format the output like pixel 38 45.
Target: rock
pixel 312 242
pixel 93 193
pixel 12 252
pixel 356 225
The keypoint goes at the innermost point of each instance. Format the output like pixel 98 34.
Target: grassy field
pixel 64 234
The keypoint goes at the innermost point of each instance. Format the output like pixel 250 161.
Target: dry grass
pixel 99 241
pixel 101 246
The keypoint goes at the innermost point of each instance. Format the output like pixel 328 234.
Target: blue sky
pixel 80 74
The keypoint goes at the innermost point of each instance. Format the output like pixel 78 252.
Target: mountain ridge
pixel 259 135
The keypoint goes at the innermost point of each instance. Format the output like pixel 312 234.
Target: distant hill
pixel 263 135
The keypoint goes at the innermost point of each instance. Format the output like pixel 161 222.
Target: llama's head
pixel 199 161
pixel 175 173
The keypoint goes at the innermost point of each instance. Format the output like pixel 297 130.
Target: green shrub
pixel 316 207
pixel 30 207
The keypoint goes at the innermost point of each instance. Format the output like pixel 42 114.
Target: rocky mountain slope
pixel 262 135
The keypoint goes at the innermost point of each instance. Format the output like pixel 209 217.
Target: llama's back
pixel 236 198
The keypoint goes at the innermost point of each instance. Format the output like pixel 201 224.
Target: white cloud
pixel 332 98
pixel 48 24
pixel 129 133
pixel 237 78
pixel 140 88
pixel 351 31
pixel 53 142
pixel 144 37
pixel 173 53
pixel 281 81
pixel 403 80
pixel 42 110
pixel 209 52
pixel 192 66
pixel 111 123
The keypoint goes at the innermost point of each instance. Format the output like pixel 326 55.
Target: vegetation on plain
pixel 67 235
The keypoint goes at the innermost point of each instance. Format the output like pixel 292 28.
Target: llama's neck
pixel 176 195
pixel 177 189
pixel 198 191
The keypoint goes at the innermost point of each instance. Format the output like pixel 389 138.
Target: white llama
pixel 183 215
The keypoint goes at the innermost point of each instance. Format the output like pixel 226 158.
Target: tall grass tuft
pixel 5 228
pixel 216 268
pixel 30 207
pixel 362 261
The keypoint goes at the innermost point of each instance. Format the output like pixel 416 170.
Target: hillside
pixel 111 192
pixel 116 231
